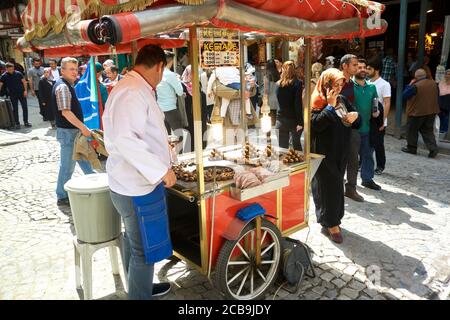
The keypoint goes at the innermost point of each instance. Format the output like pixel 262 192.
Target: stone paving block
pixel 350 293
pixel 311 296
pixel 350 270
pixel 329 285
pixel 396 294
pixel 327 276
pixel 343 297
pixel 370 292
pixel 328 259
pixel 332 294
pixel 357 285
pixel 360 276
pixel 339 266
pixel 319 290
pixel 346 278
pixel 325 266
pixel 339 283
pixel 336 273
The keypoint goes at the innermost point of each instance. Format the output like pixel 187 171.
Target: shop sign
pixel 218 47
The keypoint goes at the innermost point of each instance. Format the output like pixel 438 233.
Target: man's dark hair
pixel 375 63
pixel 347 58
pixel 9 65
pixel 36 60
pixel 52 60
pixel 151 55
pixel 114 69
pixel 362 60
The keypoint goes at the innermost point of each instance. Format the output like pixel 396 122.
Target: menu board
pixel 218 47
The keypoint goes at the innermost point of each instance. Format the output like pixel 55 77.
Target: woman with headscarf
pixel 45 96
pixel 331 122
pixel 290 112
pixel 186 80
pixel 444 101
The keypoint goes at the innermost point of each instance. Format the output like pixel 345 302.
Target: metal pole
pixel 400 66
pixel 198 137
pixel 268 50
pixel 175 60
pixel 245 53
pixel 422 29
pixel 307 125
pixel 306 109
pixel 243 87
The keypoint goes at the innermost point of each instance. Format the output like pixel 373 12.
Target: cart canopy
pixel 62 23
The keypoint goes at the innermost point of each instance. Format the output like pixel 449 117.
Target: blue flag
pixel 86 90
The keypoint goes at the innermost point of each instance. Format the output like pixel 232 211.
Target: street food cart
pixel 245 255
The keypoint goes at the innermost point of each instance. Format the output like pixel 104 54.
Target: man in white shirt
pixel 55 72
pixel 384 97
pixel 139 166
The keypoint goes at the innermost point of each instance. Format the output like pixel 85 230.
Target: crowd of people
pixel 350 103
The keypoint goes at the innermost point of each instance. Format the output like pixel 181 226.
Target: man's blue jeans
pixel 66 138
pixel 366 155
pixel 140 274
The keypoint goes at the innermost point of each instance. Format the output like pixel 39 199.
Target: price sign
pixel 219 47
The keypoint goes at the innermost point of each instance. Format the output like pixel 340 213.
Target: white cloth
pixel 383 91
pixel 54 74
pixel 204 83
pixel 226 76
pixel 135 138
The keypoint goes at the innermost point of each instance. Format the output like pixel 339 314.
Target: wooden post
pixel 258 241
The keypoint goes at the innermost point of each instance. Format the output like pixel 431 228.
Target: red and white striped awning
pixel 41 16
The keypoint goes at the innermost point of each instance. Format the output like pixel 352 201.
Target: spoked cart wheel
pixel 237 274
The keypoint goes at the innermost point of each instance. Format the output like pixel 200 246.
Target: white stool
pixel 85 251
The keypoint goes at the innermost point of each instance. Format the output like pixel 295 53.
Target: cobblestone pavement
pixel 396 244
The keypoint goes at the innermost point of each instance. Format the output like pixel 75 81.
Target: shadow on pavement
pixel 375 211
pixel 428 185
pixel 184 279
pixel 407 272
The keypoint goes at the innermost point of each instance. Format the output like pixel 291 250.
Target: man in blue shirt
pixel 167 91
pixel 365 95
pixel 16 86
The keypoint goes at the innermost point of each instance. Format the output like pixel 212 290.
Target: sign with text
pixel 218 47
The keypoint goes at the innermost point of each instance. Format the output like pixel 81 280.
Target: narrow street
pixel 396 244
